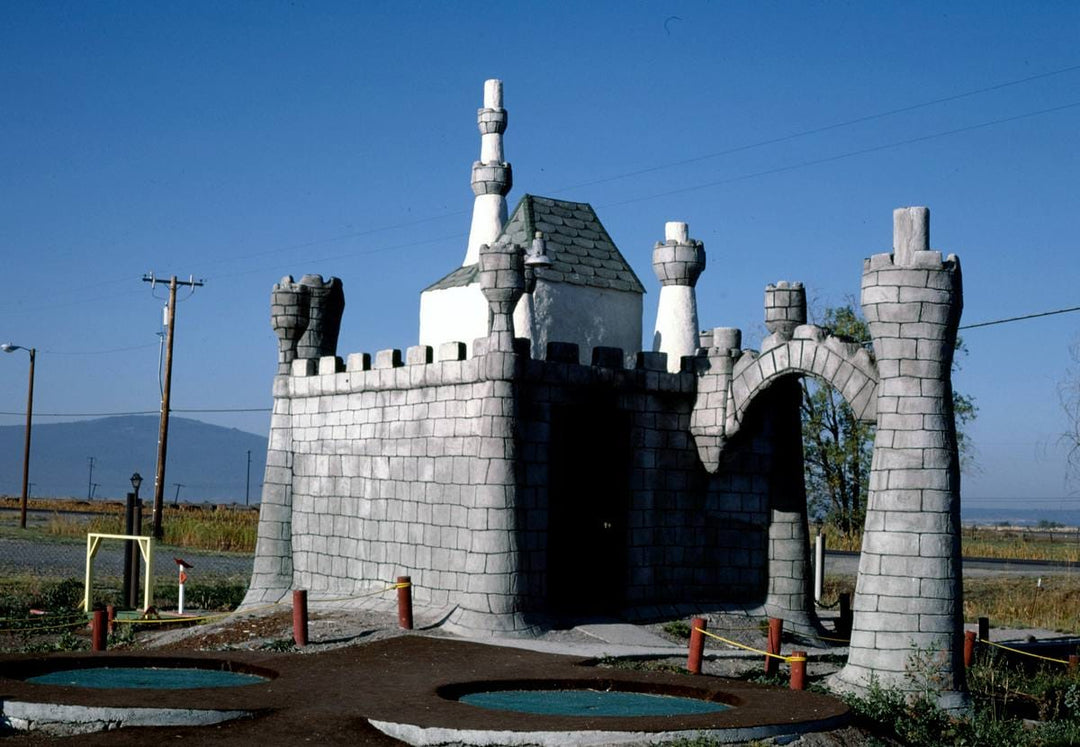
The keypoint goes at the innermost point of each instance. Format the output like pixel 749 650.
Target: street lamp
pixel 7 347
pixel 136 481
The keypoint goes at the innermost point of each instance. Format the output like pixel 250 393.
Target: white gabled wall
pixel 458 314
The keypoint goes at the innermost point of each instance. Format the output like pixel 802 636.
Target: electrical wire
pixel 1020 318
pixel 843 156
pixel 819 130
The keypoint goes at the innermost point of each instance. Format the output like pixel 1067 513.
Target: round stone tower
pixel 908 607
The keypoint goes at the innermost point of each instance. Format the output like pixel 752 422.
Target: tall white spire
pixel 491 175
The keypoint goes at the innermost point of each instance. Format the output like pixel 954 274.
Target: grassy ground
pixel 197 526
pixel 1005 543
pixel 1009 602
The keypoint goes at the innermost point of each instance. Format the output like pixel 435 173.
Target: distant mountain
pixel 210 462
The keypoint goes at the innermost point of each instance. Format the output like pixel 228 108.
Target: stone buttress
pixel 306 317
pixel 908 610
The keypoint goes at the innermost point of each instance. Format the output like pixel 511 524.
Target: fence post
pixel 404 602
pixel 99 633
pixel 819 567
pixel 984 628
pixel 697 645
pixel 776 632
pixel 1074 662
pixel 110 615
pixel 299 617
pixel 969 647
pixel 798 670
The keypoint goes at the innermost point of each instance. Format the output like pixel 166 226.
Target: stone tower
pixel 909 595
pixel 790 593
pixel 677 262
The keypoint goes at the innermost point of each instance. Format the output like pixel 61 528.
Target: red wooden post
pixel 697 645
pixel 1074 663
pixel 299 617
pixel 798 670
pixel 110 613
pixel 99 631
pixel 776 632
pixel 404 602
pixel 969 647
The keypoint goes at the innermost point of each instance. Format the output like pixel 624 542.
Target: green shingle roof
pixel 580 249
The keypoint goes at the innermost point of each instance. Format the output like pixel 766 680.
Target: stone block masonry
pixel 909 591
pixel 408 469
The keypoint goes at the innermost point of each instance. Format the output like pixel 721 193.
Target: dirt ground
pixel 359 664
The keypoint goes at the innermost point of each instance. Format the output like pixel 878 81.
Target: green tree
pixel 837 447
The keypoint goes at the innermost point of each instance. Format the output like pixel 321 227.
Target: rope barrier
pixel 36 628
pixel 168 620
pixel 816 637
pixel 736 644
pixel 1025 653
pixel 391 587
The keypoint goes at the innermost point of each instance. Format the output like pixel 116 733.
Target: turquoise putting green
pixel 149 678
pixel 590 703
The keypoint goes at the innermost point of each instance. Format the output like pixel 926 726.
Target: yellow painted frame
pixel 146 548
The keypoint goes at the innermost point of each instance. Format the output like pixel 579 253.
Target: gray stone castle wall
pixel 394 466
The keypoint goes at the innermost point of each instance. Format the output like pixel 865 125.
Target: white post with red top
pixel 181 565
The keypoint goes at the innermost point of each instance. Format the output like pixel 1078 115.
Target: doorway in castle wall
pixel 588 498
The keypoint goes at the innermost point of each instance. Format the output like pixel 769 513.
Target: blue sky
pixel 242 141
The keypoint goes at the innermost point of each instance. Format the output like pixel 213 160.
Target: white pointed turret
pixel 677 262
pixel 491 175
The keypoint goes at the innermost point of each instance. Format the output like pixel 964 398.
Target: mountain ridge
pixel 209 461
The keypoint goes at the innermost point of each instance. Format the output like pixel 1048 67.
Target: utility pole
pixel 90 480
pixel 163 431
pixel 247 484
pixel 176 498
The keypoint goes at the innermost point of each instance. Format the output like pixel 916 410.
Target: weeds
pixel 677 629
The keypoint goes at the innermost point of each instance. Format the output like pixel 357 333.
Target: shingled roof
pixel 580 250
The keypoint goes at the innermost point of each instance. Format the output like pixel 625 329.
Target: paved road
pixel 56 559
pixel 847 564
pixel 18 556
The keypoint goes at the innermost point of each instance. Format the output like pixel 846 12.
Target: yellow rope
pixel 749 648
pixel 204 618
pixel 1025 653
pixel 36 628
pixel 391 587
pixel 823 637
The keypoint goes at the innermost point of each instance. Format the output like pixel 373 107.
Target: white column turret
pixel 677 262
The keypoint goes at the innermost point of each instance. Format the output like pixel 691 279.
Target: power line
pixel 137 412
pixel 1021 318
pixel 842 156
pixel 818 130
pixel 99 352
pixel 208 410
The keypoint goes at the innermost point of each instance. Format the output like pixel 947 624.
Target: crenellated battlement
pixel 423 366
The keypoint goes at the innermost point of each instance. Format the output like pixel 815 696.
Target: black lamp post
pixel 132 526
pixel 7 347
